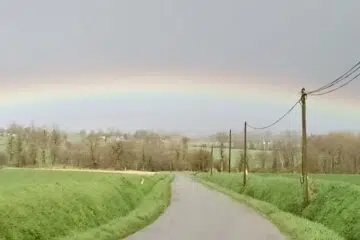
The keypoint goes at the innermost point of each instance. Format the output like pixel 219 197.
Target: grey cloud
pixel 309 39
pixel 306 42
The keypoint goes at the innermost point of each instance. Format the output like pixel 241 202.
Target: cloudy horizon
pixel 185 65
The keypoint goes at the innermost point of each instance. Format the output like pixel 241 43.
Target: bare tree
pixel 185 148
pixel 240 161
pixel 31 140
pixel 43 142
pixel 200 160
pixel 143 156
pixel 10 147
pixel 82 133
pixel 176 152
pixel 55 144
pixel 92 142
pixel 334 153
pixel 20 154
pixel 276 156
pixel 222 138
pixel 263 157
pixel 117 148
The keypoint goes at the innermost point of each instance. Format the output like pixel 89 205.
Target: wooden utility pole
pixel 212 159
pixel 304 163
pixel 245 155
pixel 143 157
pixel 230 151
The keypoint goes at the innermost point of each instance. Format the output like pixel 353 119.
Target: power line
pixel 278 120
pixel 342 77
pixel 352 70
pixel 334 89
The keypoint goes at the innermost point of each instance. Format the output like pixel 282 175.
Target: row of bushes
pixel 336 205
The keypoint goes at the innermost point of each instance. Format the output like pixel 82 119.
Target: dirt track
pixel 197 212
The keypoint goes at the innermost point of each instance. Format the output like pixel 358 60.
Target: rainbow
pixel 251 90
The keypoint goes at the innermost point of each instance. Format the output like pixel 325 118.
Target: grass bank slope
pixel 334 204
pixel 349 178
pixel 52 204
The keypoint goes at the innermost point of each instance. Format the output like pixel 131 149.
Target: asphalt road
pixel 197 212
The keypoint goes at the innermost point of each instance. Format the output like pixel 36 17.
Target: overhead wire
pixel 334 89
pixel 344 76
pixel 278 120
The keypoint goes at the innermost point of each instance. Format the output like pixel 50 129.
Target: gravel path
pixel 197 212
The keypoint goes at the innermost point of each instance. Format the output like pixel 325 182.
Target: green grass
pixel 335 204
pixel 39 204
pixel 293 227
pixel 349 178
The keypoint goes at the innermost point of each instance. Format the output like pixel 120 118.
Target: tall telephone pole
pixel 212 159
pixel 230 151
pixel 304 163
pixel 245 155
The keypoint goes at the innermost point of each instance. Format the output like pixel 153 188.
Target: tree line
pixel 144 150
pixel 334 152
pixel 34 146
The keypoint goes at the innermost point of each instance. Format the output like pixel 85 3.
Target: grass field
pixel 41 204
pixel 350 178
pixel 335 199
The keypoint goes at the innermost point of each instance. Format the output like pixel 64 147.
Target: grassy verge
pixel 295 227
pixel 148 211
pixel 339 177
pixel 53 204
pixel 337 206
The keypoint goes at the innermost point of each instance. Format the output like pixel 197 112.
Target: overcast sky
pixel 300 43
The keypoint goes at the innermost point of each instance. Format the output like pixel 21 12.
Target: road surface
pixel 197 213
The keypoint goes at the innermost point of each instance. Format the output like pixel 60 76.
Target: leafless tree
pixel 92 142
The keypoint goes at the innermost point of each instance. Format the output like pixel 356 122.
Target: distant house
pixel 113 138
pixel 10 134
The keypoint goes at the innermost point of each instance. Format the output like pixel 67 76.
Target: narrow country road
pixel 197 212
